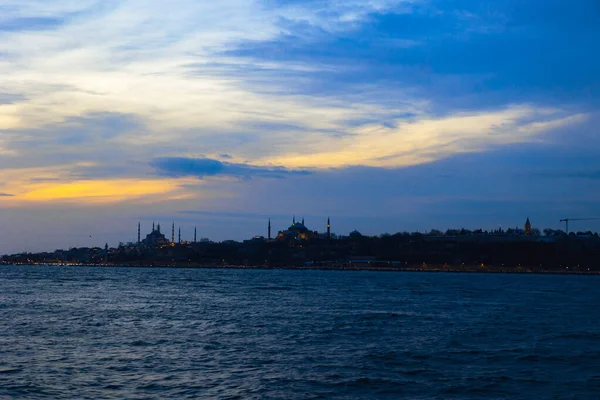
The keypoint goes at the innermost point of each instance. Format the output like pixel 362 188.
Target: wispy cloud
pixel 10 98
pixel 31 23
pixel 198 99
pixel 427 139
pixel 206 167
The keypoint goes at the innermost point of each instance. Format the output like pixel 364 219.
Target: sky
pixel 385 115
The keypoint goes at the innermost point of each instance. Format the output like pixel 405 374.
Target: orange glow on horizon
pixel 101 191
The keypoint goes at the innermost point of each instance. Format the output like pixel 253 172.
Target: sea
pixel 163 333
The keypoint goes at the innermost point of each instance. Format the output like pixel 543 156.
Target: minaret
pixel 328 228
pixel 302 220
pixel 269 229
pixel 139 233
pixel 152 226
pixel 195 241
pixel 173 233
pixel 158 228
pixel 180 235
pixel 527 227
pixel 294 220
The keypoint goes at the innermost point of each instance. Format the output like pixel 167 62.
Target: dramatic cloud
pixel 385 114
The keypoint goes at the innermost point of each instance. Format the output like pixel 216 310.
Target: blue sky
pixel 387 115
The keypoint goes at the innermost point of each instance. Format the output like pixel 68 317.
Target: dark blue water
pixel 96 333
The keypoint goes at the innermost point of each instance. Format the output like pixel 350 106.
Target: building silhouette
pixel 527 227
pixel 297 231
pixel 155 238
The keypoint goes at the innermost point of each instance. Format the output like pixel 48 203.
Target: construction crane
pixel 566 221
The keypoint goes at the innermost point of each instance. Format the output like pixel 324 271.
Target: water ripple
pixel 114 333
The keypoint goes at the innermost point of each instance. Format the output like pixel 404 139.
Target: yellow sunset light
pixel 102 191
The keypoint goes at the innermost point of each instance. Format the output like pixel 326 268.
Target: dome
pixel 298 227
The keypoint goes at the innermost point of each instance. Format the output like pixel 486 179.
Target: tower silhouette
pixel 328 228
pixel 527 227
pixel 173 233
pixel 269 230
pixel 180 235
pixel 302 220
pixel 195 237
pixel 139 233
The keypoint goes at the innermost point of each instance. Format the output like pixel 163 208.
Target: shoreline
pixel 465 269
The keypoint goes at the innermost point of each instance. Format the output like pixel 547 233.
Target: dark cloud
pixel 6 195
pixel 225 156
pixel 477 54
pixel 203 167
